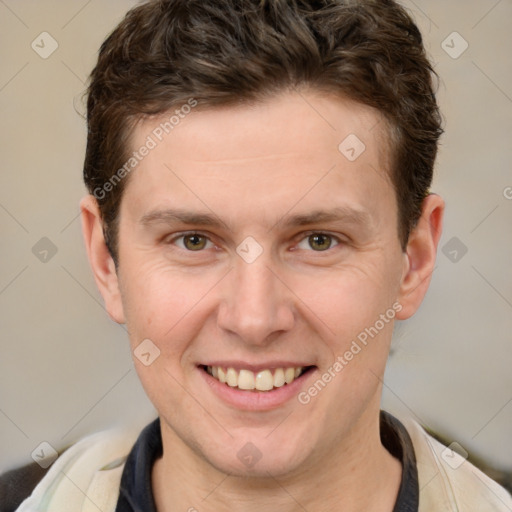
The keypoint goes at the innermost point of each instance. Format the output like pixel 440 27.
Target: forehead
pixel 321 119
pixel 294 148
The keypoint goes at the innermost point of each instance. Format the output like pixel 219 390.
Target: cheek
pixel 164 305
pixel 350 298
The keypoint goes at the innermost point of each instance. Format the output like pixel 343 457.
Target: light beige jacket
pixel 86 477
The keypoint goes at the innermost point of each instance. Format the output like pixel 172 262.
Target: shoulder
pixel 86 475
pixel 449 482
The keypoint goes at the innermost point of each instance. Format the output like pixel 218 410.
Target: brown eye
pixel 320 242
pixel 194 242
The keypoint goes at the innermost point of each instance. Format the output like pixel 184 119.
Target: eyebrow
pixel 170 216
pixel 341 213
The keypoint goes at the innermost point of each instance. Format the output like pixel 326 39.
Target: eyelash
pixel 304 236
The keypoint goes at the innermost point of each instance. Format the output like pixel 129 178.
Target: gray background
pixel 65 367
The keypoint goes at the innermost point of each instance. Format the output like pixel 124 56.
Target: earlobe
pixel 420 256
pixel 100 259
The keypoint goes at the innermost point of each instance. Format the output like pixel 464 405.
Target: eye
pixel 192 242
pixel 318 242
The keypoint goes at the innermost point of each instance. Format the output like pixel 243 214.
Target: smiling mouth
pixel 264 380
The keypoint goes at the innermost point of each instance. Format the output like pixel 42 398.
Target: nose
pixel 257 306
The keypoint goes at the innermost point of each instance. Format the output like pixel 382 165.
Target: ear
pixel 101 261
pixel 420 256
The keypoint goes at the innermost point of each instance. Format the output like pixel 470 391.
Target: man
pixel 259 216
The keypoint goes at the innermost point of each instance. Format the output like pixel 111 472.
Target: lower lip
pixel 256 400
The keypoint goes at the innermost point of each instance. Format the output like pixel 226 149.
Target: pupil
pixel 195 242
pixel 320 242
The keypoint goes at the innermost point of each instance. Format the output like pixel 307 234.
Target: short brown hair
pixel 165 52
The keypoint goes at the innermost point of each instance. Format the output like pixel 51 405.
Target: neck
pixel 357 475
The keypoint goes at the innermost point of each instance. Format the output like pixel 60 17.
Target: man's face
pixel 249 240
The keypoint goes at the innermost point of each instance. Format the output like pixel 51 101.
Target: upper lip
pixel 270 365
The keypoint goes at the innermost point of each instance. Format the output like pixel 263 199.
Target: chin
pixel 275 466
pixel 260 455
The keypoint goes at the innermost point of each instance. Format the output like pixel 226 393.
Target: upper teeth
pixel 263 380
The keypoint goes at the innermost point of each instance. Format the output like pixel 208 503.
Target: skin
pixel 255 167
